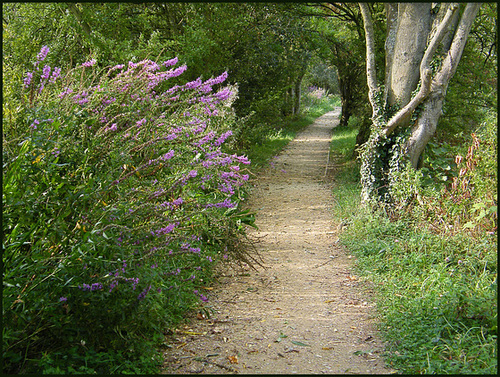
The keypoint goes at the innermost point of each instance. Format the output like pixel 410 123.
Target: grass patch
pixel 436 292
pixel 345 172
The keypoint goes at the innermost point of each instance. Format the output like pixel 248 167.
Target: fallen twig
pixel 328 261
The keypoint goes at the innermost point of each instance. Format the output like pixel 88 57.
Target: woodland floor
pixel 305 312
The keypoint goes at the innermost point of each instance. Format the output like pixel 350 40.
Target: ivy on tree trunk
pixel 424 44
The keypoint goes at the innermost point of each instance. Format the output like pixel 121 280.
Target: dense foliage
pixel 118 197
pixel 263 47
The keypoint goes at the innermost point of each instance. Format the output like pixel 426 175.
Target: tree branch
pixel 371 73
pixel 79 17
pixel 391 11
pixel 425 73
pixel 450 63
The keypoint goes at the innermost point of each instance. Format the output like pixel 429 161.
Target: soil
pixel 305 312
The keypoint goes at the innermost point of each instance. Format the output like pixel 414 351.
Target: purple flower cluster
pixel 171 205
pixel 144 293
pixel 225 204
pixel 55 74
pixel 191 174
pixel 224 94
pixel 187 247
pixel 162 231
pixel 208 137
pixel 171 62
pixel 27 79
pixel 81 98
pixel 223 138
pixel 66 91
pixel 89 64
pixel 45 76
pixel 93 287
pixel 113 127
pixel 167 156
pixel 34 124
pixel 42 55
pixel 46 72
pixel 167 166
pixel 202 297
pixel 115 281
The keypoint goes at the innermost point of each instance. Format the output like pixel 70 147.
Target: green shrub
pixel 119 197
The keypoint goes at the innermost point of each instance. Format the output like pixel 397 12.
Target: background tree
pixel 262 46
pixel 341 26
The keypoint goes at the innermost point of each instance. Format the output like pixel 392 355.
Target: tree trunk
pixel 288 99
pixel 413 28
pixel 399 133
pixel 297 94
pixel 432 106
pixel 345 98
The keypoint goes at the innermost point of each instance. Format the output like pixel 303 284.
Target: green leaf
pixel 469 225
pixel 300 344
pixel 281 336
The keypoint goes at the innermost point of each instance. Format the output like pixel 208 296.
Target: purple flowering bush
pixel 119 197
pixel 314 96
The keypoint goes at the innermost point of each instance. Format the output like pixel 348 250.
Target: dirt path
pixel 306 312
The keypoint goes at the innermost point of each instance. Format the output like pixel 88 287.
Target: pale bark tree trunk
pixel 413 27
pixel 413 37
pixel 425 126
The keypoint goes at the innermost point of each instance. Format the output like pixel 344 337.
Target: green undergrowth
pixel 118 202
pixel 436 284
pixel 278 136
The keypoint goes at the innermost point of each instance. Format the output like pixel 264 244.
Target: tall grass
pixel 436 288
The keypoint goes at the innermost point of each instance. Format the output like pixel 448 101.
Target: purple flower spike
pixel 43 54
pixel 27 80
pixel 223 94
pixel 46 73
pixel 167 156
pixel 171 62
pixel 144 293
pixel 55 74
pixel 88 64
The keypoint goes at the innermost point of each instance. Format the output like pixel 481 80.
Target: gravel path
pixel 305 312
